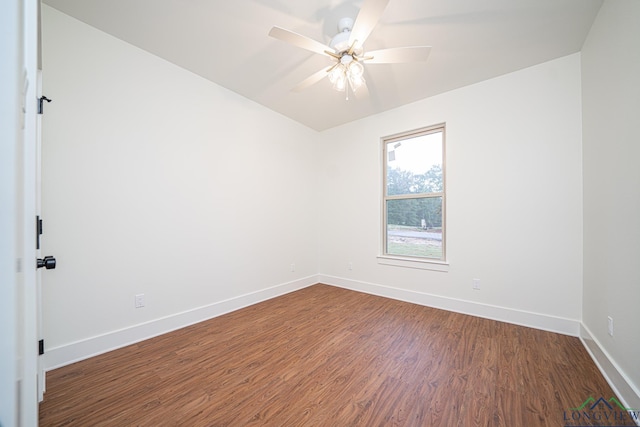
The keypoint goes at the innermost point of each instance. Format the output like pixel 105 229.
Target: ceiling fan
pixel 347 51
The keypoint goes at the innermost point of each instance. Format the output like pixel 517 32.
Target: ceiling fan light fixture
pixel 335 74
pixel 350 74
pixel 356 68
pixel 340 83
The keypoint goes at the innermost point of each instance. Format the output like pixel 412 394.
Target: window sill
pixel 414 263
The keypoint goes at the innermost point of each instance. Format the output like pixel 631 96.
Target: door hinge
pixel 38 231
pixel 41 104
pixel 40 347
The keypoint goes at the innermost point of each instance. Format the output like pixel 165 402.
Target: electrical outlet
pixel 476 284
pixel 293 267
pixel 610 325
pixel 350 266
pixel 139 300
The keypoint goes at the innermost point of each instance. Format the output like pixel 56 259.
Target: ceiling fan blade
pixel 366 20
pixel 311 80
pixel 298 40
pixel 399 54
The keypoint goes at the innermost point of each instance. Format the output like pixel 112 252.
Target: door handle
pixel 47 262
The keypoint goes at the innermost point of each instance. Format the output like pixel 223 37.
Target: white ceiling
pixel 227 42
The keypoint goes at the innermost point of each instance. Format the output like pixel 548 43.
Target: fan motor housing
pixel 340 42
pixel 345 24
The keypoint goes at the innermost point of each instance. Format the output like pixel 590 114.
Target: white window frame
pixel 439 264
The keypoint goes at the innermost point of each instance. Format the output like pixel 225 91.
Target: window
pixel 414 195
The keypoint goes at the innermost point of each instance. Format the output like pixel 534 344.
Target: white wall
pixel 514 199
pixel 611 152
pixel 160 182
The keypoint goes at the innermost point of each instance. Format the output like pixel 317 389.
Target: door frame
pixel 41 375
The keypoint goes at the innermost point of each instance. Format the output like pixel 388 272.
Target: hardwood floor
pixel 325 356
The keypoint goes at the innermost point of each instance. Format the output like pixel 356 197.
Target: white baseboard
pixel 503 314
pixel 84 349
pixel 621 385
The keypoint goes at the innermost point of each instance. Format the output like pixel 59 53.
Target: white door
pixel 28 414
pixel 18 319
pixel 39 227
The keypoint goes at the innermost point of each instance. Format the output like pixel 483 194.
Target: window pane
pixel 414 165
pixel 414 227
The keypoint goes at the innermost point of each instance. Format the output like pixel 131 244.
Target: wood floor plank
pixel 325 356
